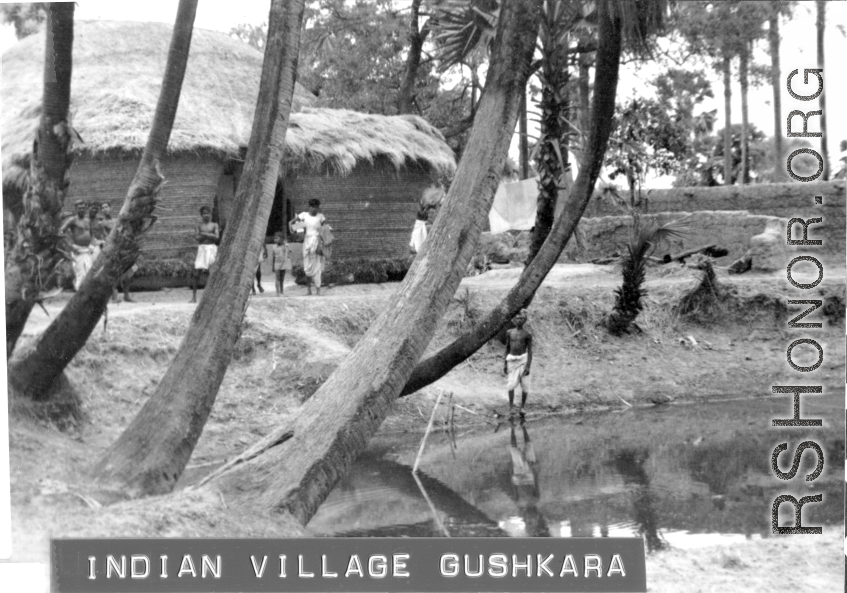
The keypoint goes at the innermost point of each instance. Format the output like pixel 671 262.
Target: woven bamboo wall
pixel 192 182
pixel 371 211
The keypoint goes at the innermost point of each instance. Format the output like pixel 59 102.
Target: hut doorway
pixel 281 212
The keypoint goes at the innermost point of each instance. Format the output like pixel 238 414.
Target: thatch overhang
pixel 117 73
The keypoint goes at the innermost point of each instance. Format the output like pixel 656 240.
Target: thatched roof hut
pixel 117 73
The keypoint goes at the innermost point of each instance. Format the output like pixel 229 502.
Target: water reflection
pixel 382 498
pixel 524 489
pixel 685 476
pixel 629 463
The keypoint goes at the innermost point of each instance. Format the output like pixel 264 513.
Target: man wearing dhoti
pixel 313 256
pixel 80 229
pixel 518 359
pixel 208 234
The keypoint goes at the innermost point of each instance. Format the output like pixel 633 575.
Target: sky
pixel 797 50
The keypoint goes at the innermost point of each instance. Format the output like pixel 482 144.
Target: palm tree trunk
pixel 727 129
pixel 743 75
pixel 520 296
pixel 776 84
pixel 553 153
pixel 584 92
pixel 406 94
pixel 523 141
pixel 34 373
pixel 294 469
pixel 821 30
pixel 32 262
pixel 150 455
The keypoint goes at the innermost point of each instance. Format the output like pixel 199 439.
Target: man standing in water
pixel 208 234
pixel 518 359
pixel 80 228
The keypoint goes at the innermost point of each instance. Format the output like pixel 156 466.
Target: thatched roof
pixel 117 73
pixel 339 139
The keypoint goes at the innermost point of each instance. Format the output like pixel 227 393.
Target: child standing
pixel 280 260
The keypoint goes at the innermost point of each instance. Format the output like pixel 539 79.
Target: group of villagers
pixel 317 237
pixel 87 231
pixel 93 222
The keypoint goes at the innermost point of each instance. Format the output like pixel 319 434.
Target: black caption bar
pixel 374 565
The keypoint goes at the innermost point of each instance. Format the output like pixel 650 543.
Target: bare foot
pixel 192 301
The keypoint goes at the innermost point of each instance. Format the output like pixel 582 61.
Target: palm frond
pixel 640 20
pixel 463 26
pixel 644 237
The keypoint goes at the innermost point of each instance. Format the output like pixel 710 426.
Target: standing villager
pixel 98 230
pixel 313 256
pixel 419 232
pixel 280 261
pixel 80 230
pixel 106 220
pixel 263 255
pixel 518 359
pixel 207 235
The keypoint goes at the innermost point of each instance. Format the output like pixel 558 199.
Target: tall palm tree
pixel 336 423
pixel 31 264
pixel 726 69
pixel 645 235
pixel 417 37
pixel 776 8
pixel 744 78
pixel 630 23
pixel 555 102
pixel 34 374
pixel 820 23
pixel 151 453
pixel 294 468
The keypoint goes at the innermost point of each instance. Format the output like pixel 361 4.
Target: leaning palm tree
pixel 645 235
pixel 619 25
pixel 36 373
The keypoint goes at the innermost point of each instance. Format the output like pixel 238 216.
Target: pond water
pixel 678 475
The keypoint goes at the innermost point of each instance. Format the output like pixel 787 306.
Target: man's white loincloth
pixel 522 462
pixel 82 263
pixel 516 365
pixel 206 255
pixel 418 235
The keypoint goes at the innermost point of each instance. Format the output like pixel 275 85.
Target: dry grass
pixel 117 74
